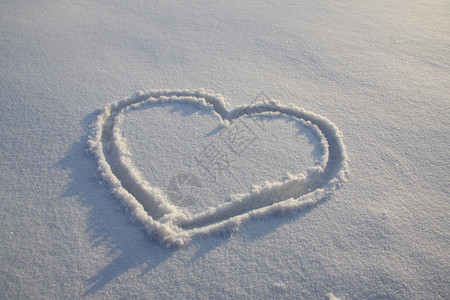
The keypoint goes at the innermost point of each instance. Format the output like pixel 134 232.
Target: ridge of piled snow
pixel 151 207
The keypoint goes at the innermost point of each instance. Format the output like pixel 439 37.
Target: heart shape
pixel 151 207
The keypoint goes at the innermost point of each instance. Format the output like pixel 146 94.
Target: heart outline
pixel 151 207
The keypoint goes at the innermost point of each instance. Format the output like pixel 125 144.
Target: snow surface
pixel 378 70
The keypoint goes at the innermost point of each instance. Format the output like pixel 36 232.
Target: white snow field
pixel 225 150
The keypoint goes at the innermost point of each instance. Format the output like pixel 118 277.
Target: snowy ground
pixel 380 71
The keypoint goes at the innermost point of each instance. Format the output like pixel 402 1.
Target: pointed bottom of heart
pixel 151 207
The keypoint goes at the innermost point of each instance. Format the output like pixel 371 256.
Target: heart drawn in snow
pixel 151 207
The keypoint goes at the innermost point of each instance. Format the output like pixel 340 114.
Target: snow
pixel 160 215
pixel 378 71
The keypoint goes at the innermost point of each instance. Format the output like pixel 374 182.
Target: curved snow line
pixel 150 206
